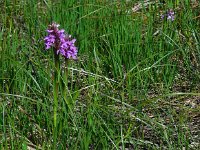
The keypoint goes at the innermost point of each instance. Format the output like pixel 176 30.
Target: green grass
pixel 135 84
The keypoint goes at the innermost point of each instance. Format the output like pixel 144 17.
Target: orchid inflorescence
pixel 170 15
pixel 63 43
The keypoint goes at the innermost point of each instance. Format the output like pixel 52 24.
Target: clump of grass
pixel 134 85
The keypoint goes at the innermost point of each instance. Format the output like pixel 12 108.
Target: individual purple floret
pixel 49 41
pixel 162 16
pixel 62 43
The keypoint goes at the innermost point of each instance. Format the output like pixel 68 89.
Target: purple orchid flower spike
pixel 170 15
pixel 62 43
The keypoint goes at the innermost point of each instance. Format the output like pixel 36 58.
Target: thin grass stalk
pixel 65 78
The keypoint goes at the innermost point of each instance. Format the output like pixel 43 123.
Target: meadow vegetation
pixel 134 85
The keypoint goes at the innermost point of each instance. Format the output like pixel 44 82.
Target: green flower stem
pixel 55 93
pixel 56 85
pixel 66 68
